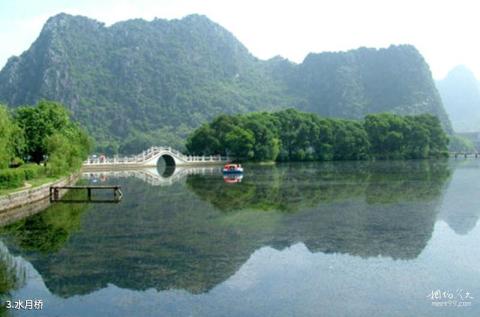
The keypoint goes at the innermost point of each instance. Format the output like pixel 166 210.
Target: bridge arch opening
pixel 166 165
pixel 169 161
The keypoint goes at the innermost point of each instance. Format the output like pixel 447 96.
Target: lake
pixel 306 239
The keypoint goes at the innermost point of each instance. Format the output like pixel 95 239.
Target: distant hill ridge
pixel 137 83
pixel 460 92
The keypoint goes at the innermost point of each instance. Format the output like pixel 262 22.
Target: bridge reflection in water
pixel 154 176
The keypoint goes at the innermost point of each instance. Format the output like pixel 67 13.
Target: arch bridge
pixel 150 157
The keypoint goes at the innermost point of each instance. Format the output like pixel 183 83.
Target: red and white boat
pixel 232 169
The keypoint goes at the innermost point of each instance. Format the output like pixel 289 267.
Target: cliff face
pixel 136 82
pixel 362 81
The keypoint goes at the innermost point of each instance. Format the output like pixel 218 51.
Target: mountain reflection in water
pixel 196 233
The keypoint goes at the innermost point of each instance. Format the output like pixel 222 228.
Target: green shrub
pixel 460 143
pixel 16 162
pixel 32 171
pixel 11 178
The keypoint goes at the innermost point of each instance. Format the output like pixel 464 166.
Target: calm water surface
pixel 332 239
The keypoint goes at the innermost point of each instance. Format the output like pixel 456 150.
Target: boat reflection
pixel 233 178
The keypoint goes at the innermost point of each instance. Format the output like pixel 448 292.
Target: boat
pixel 232 169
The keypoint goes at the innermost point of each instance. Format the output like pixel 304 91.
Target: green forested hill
pixel 138 83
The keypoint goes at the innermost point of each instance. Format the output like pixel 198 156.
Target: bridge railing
pixel 150 153
pixel 464 154
pixel 204 158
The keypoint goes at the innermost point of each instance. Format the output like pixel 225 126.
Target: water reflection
pixel 48 231
pixel 291 187
pixel 232 179
pixel 152 176
pixel 12 277
pixel 199 230
pixel 461 209
pixel 296 282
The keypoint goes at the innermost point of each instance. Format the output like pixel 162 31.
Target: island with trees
pixel 291 135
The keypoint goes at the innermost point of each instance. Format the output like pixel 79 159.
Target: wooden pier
pixel 117 193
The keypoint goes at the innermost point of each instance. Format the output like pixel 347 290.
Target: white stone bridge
pixel 150 157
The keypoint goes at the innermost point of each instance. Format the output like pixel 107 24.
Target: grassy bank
pixel 30 184
pixel 26 176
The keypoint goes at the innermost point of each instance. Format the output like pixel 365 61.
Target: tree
pixel 291 135
pixel 6 131
pixel 461 144
pixel 350 141
pixel 387 134
pixel 50 134
pixel 323 143
pixel 204 141
pixel 267 144
pixel 12 140
pixel 59 151
pixel 240 143
pixel 40 122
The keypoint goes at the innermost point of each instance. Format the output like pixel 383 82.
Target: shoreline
pixel 27 196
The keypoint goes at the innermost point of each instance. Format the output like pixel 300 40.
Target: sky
pixel 445 32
